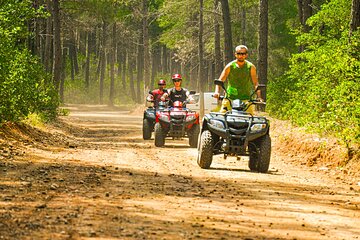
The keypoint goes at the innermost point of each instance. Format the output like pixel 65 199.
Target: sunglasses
pixel 161 84
pixel 241 53
pixel 176 80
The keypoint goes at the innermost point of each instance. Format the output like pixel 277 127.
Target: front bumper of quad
pixel 235 131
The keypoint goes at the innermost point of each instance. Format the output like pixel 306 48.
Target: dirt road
pixel 95 178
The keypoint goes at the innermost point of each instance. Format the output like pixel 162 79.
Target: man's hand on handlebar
pixel 216 95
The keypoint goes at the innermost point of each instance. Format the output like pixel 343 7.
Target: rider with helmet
pixel 156 94
pixel 177 93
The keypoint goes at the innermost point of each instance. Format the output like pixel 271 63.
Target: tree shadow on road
pixel 69 198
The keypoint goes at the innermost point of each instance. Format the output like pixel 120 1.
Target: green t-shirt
pixel 240 85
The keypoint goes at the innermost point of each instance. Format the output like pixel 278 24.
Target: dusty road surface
pixel 94 177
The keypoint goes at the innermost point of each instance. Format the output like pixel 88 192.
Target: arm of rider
pixel 255 81
pixel 223 76
pixel 150 98
pixel 165 96
pixel 258 93
pixel 189 97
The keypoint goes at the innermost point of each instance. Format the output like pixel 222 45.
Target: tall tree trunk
pixel 119 58
pixel 212 76
pixel 131 78
pixel 307 12
pixel 123 77
pixel 57 45
pixel 140 67
pixel 164 60
pixel 228 47
pixel 300 11
pixel 87 64
pixel 355 16
pixel 103 63
pixel 73 53
pixel 263 45
pixel 301 19
pixel 72 70
pixel 243 24
pixel 48 42
pixel 98 67
pixel 193 74
pixel 170 62
pixel 34 27
pixel 154 65
pixel 146 77
pixel 112 65
pixel 63 75
pixel 201 77
pixel 218 57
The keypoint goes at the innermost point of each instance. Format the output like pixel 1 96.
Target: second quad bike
pixel 149 119
pixel 235 133
pixel 176 122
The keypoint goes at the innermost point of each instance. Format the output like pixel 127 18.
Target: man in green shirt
pixel 242 79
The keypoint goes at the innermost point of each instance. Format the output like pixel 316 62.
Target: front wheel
pixel 194 135
pixel 146 129
pixel 260 153
pixel 159 135
pixel 205 151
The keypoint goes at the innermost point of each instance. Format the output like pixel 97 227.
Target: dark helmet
pixel 176 76
pixel 161 82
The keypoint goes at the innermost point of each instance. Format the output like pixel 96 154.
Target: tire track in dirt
pixel 112 184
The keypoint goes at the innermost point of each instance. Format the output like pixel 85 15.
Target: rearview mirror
pixel 192 92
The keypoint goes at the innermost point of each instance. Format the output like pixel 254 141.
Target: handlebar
pixel 257 102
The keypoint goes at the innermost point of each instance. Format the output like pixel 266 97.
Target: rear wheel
pixel 205 150
pixel 260 153
pixel 159 135
pixel 146 129
pixel 194 135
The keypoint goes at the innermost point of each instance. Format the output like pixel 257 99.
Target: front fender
pixel 205 120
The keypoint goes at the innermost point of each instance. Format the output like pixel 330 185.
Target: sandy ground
pixel 92 176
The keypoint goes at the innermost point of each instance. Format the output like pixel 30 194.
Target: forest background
pixel 113 51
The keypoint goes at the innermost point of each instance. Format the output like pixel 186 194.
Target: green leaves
pixel 22 79
pixel 321 89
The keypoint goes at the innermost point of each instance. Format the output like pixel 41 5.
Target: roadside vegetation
pixel 320 90
pixel 25 87
pixel 112 52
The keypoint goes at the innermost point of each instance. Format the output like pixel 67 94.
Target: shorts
pixel 226 106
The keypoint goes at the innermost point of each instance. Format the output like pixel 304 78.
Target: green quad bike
pixel 235 133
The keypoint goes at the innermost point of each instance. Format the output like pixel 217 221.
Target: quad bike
pixel 149 119
pixel 177 122
pixel 235 133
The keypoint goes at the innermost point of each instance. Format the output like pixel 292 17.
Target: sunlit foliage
pixel 24 87
pixel 321 89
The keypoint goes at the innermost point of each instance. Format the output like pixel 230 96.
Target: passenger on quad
pixel 156 94
pixel 177 93
pixel 242 80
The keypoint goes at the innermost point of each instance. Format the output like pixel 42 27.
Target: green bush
pixel 320 90
pixel 24 87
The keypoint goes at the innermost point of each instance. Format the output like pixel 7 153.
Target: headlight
pixel 217 123
pixel 151 114
pixel 257 127
pixel 259 120
pixel 190 118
